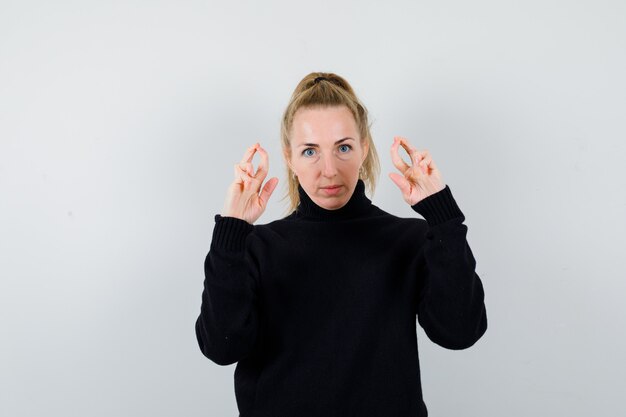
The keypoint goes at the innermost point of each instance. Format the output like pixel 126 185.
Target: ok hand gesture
pixel 419 180
pixel 243 200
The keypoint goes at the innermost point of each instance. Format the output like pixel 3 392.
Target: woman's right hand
pixel 243 200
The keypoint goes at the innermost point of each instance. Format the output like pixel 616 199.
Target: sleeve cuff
pixel 439 207
pixel 230 233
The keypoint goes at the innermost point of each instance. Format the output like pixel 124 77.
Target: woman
pixel 319 308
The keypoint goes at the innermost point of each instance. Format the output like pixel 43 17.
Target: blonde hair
pixel 325 89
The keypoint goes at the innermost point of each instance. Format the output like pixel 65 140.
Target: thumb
pixel 268 189
pixel 402 184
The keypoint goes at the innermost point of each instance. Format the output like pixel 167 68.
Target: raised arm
pixel 227 327
pixel 228 323
pixel 451 307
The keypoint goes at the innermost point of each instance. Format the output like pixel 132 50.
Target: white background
pixel 120 122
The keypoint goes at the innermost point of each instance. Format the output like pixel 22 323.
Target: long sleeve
pixel 228 323
pixel 451 307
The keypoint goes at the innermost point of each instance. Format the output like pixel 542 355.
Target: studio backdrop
pixel 120 123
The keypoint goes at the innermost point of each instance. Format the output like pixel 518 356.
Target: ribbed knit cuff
pixel 439 207
pixel 230 233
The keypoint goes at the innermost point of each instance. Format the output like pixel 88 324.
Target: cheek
pixel 305 166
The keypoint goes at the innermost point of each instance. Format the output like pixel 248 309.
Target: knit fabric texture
pixel 319 309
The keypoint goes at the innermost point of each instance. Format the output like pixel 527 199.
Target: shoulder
pixel 376 220
pixel 275 228
pixel 407 231
pixel 408 222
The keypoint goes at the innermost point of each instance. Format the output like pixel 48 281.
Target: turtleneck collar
pixel 357 206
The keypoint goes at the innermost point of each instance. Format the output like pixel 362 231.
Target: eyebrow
pixel 316 145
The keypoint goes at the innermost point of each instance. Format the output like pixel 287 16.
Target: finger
pixel 424 164
pixel 413 152
pixel 247 167
pixel 411 172
pixel 247 157
pixel 264 164
pixel 427 162
pixel 397 160
pixel 267 191
pixel 402 183
pixel 433 166
pixel 425 154
pixel 238 174
pixel 242 177
pixel 245 178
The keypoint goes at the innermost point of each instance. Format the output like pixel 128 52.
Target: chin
pixel 332 204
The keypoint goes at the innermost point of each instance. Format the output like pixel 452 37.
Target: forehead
pixel 323 124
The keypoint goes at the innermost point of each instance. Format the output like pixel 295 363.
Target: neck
pixel 357 206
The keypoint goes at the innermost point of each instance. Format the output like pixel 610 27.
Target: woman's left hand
pixel 419 180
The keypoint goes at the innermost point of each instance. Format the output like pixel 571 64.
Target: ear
pixel 366 149
pixel 286 158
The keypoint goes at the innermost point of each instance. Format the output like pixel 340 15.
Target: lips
pixel 332 190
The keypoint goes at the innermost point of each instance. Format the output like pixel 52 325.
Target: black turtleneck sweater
pixel 319 308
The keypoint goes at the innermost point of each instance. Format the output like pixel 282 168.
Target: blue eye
pixel 345 146
pixel 304 152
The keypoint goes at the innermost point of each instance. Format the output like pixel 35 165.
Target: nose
pixel 329 169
